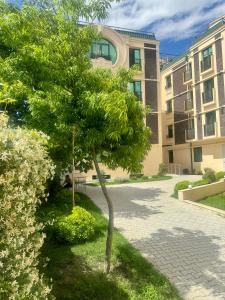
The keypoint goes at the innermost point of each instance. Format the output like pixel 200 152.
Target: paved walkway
pixel 185 242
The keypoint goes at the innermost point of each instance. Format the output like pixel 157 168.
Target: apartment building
pixel 193 105
pixel 125 48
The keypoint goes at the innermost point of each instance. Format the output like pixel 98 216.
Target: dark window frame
pixel 197 155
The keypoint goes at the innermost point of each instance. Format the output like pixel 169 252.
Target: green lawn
pixel 77 271
pixel 141 179
pixel 217 201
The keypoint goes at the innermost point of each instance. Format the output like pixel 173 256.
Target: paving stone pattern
pixel 183 241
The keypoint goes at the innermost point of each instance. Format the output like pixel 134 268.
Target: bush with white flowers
pixel 24 169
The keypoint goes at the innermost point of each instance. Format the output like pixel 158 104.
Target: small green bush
pixel 121 180
pixel 77 227
pixel 145 178
pixel 182 185
pixel 220 175
pixel 200 182
pixel 162 170
pixel 209 175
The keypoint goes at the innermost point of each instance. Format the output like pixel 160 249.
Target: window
pixel 105 49
pixel 135 57
pixel 210 119
pixel 188 72
pixel 168 82
pixel 188 103
pixel 135 87
pixel 206 62
pixel 169 106
pixel 198 154
pixel 170 131
pixel 190 132
pixel 208 86
pixel 170 155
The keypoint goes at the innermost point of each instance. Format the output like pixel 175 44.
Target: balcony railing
pixel 190 134
pixel 206 63
pixel 188 104
pixel 187 75
pixel 209 129
pixel 208 96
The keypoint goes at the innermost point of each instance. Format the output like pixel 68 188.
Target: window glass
pixel 168 81
pixel 197 154
pixel 170 154
pixel 210 117
pixel 170 131
pixel 105 49
pixel 207 52
pixel 135 87
pixel 169 107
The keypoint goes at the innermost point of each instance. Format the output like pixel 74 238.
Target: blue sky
pixel 176 23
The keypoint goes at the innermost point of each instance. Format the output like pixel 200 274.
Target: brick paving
pixel 183 241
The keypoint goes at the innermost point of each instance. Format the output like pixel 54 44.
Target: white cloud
pixel 173 19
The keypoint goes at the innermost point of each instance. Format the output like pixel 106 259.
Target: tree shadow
pixel 134 203
pixel 190 259
pixel 73 278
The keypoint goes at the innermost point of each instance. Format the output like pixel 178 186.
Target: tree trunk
pixel 108 251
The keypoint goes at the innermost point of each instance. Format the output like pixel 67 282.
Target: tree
pixel 113 130
pixel 61 91
pixel 24 169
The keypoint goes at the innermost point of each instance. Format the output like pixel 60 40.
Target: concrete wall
pixel 202 192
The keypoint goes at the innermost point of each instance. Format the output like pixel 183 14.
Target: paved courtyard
pixel 185 242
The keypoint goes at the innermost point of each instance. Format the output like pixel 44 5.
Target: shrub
pixel 220 175
pixel 182 185
pixel 209 175
pixel 162 170
pixel 145 178
pixel 24 170
pixel 200 182
pixel 121 180
pixel 77 227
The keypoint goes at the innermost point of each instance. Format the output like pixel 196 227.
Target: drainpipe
pixel 192 169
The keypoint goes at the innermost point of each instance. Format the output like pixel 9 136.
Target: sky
pixel 176 23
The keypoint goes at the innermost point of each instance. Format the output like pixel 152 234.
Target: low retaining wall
pixel 201 192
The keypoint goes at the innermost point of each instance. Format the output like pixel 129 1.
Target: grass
pixel 217 201
pixel 77 270
pixel 137 180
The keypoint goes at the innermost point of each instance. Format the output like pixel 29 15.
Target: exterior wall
pixel 149 75
pixel 212 150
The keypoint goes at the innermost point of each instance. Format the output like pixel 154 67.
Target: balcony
pixel 209 129
pixel 206 63
pixel 208 96
pixel 187 75
pixel 190 134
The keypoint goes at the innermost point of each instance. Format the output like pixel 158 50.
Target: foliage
pixel 76 269
pixel 24 169
pixel 162 169
pixel 209 175
pixel 200 182
pixel 182 185
pixel 220 175
pixel 77 227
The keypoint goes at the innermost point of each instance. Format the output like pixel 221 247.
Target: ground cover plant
pixel 77 270
pixel 217 201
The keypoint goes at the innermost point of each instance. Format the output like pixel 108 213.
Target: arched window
pixel 105 49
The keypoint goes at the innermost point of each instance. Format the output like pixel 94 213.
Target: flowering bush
pixel 76 227
pixel 24 169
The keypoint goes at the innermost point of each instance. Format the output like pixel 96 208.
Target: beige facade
pixel 124 41
pixel 193 105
